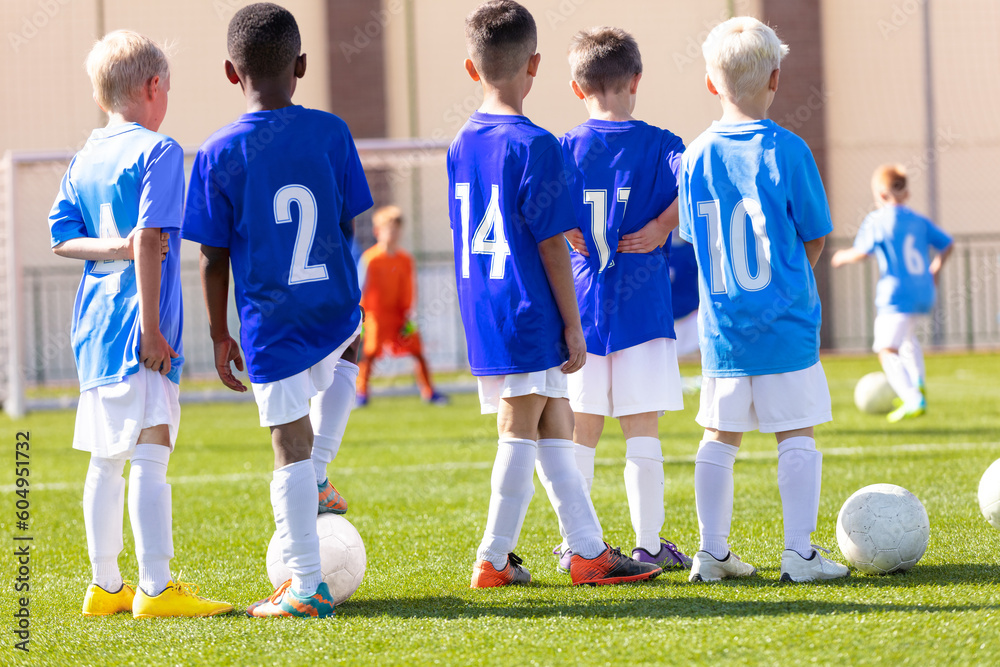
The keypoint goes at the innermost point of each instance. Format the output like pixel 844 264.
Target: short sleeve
pixel 161 194
pixel 208 214
pixel 357 196
pixel 544 198
pixel 865 240
pixel 685 228
pixel 673 153
pixel 807 204
pixel 66 219
pixel 937 237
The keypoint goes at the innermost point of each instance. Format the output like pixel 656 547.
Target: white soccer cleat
pixel 796 568
pixel 706 567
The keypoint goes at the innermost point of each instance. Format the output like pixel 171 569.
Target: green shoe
pixel 908 411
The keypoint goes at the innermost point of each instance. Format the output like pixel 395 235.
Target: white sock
pixel 103 507
pixel 570 498
pixel 644 489
pixel 912 356
pixel 585 462
pixel 328 412
pixel 800 472
pixel 898 378
pixel 511 488
pixel 713 495
pixel 293 499
pixel 150 513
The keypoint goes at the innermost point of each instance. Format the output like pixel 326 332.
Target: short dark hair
pixel 501 37
pixel 603 59
pixel 263 40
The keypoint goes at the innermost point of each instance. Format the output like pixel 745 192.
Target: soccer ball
pixel 342 557
pixel 883 528
pixel 989 494
pixel 873 394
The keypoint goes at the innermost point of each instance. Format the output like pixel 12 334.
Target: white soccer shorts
pixel 639 379
pixel 492 388
pixel 110 418
pixel 287 400
pixel 892 329
pixel 766 403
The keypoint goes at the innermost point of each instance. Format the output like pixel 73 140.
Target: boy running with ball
pixel 515 288
pixel 275 194
pixel 753 205
pixel 901 239
pixel 623 181
pixel 119 208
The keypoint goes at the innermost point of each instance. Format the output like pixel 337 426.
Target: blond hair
pixel 890 179
pixel 120 64
pixel 740 55
pixel 603 59
pixel 387 214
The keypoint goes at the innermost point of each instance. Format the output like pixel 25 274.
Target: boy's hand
pixel 227 350
pixel 647 239
pixel 164 245
pixel 577 241
pixel 577 345
pixel 155 352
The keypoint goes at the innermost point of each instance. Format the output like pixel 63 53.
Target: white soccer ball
pixel 989 494
pixel 342 557
pixel 883 528
pixel 873 394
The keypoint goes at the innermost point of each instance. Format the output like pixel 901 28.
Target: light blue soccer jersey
pixel 280 190
pixel 750 196
pixel 901 241
pixel 126 178
pixel 622 175
pixel 507 192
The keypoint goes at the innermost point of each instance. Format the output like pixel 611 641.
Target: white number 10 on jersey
pixel 738 250
pixel 491 225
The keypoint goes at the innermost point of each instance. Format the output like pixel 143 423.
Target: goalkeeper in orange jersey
pixel 387 294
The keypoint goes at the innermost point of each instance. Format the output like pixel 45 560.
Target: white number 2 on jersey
pixel 300 271
pixel 491 225
pixel 113 267
pixel 738 245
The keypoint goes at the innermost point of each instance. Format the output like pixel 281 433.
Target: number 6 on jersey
pixel 491 225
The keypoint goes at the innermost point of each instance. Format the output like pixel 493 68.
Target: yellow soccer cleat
pixel 99 602
pixel 177 599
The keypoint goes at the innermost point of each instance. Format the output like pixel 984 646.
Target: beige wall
pixel 873 51
pixel 47 100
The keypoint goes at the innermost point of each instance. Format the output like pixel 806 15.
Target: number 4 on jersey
pixel 490 226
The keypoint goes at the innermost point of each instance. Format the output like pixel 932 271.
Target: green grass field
pixel 417 479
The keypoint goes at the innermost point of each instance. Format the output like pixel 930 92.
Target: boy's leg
pixel 912 356
pixel 644 478
pixel 103 507
pixel 800 472
pixel 149 507
pixel 365 364
pixel 713 489
pixel 329 411
pixel 587 430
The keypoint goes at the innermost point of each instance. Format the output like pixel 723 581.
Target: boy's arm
pixel 555 259
pixel 155 352
pixel 939 260
pixel 814 249
pixel 214 267
pixel 653 234
pixel 845 256
pixel 96 250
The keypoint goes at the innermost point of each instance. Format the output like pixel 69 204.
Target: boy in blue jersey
pixel 275 193
pixel 509 209
pixel 623 182
pixel 901 239
pixel 119 208
pixel 753 205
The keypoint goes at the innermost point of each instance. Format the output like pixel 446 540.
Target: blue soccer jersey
pixel 751 195
pixel 622 175
pixel 280 190
pixel 126 178
pixel 507 188
pixel 683 277
pixel 901 241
